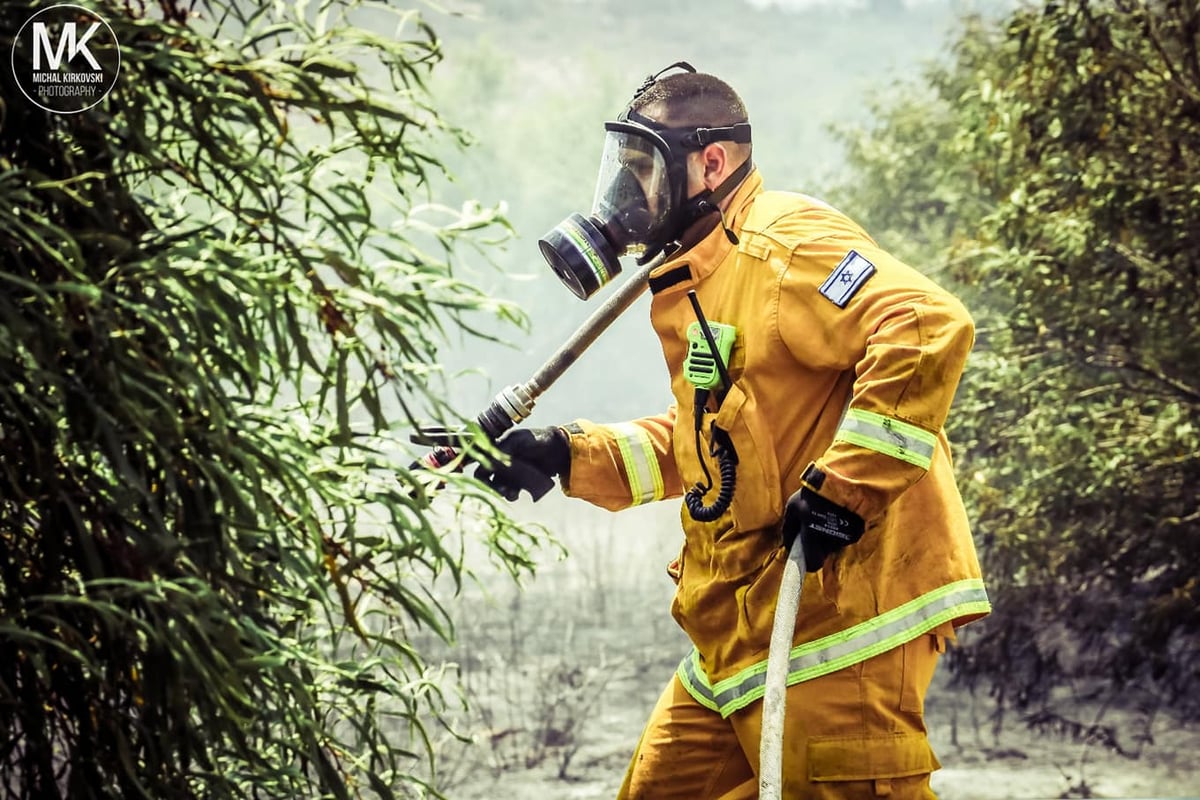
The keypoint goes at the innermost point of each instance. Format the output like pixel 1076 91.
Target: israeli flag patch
pixel 847 278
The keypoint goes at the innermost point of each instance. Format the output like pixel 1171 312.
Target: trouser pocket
pixel 888 765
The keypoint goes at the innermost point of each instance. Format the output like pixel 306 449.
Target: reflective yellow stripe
pixel 839 650
pixel 641 463
pixel 585 247
pixel 888 436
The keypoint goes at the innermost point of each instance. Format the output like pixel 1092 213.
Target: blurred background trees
pixel 1052 171
pixel 223 294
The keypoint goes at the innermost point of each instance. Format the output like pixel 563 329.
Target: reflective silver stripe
pixel 641 463
pixel 839 650
pixel 888 436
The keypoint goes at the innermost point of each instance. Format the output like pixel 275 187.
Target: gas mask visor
pixel 629 213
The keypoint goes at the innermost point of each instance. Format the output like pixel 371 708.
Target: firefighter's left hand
pixel 535 457
pixel 823 526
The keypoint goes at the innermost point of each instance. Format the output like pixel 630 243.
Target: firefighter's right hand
pixel 535 457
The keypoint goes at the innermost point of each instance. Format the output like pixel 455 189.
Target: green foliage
pixel 222 300
pixel 1060 169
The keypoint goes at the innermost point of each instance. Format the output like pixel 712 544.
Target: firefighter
pixel 834 376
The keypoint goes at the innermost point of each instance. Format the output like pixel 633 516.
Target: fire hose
pixel 515 403
pixel 787 605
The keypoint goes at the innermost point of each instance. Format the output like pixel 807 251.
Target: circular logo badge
pixel 65 59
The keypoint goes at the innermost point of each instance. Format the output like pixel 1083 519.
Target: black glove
pixel 823 526
pixel 536 456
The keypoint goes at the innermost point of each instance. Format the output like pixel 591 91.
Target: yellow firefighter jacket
pixel 844 367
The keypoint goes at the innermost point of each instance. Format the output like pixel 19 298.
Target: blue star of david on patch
pixel 847 278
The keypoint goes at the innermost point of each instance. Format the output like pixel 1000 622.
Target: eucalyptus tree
pixel 224 289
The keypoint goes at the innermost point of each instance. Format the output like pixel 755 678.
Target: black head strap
pixel 692 138
pixel 709 202
pixel 652 79
pixel 731 182
pixel 702 137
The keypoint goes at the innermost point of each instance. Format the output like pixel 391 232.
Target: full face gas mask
pixel 641 205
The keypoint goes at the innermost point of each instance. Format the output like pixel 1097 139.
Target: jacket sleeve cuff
pixel 620 465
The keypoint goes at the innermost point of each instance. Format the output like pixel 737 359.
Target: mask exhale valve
pixel 709 347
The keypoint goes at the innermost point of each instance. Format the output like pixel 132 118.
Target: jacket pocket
pixel 757 501
pixel 833 759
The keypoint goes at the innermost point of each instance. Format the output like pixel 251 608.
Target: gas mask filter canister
pixel 579 253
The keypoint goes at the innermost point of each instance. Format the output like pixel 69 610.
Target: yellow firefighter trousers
pixel 856 733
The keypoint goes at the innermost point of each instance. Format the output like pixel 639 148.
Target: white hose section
pixel 770 746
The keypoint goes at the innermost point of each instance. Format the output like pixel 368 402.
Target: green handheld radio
pixel 706 366
pixel 700 366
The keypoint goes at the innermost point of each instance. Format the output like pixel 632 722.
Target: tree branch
pixel 1173 70
pixel 1119 359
